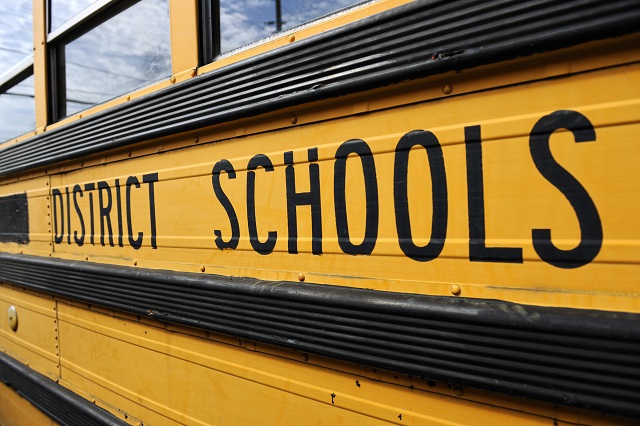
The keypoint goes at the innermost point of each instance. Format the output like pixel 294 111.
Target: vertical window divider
pixel 41 84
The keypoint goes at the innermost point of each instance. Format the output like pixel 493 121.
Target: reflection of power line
pixel 75 101
pixel 90 92
pixel 24 95
pixel 89 67
pixel 8 49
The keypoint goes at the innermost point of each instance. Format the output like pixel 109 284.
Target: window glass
pixel 17 110
pixel 62 10
pixel 245 21
pixel 16 33
pixel 126 52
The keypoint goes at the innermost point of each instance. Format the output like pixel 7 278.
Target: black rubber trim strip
pixel 416 40
pixel 581 358
pixel 59 403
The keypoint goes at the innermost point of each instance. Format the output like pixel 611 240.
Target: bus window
pixel 17 110
pixel 128 51
pixel 16 33
pixel 17 105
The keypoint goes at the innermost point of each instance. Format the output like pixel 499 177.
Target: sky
pixel 128 51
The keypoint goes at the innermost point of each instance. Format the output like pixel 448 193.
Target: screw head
pixel 455 290
pixel 301 277
pixel 447 89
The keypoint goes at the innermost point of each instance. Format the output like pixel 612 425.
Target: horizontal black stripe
pixel 582 358
pixel 416 40
pixel 59 403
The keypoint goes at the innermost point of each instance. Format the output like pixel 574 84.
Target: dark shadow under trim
pixel 417 40
pixel 580 358
pixel 59 403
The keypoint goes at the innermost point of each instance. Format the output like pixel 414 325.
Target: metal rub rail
pixel 581 358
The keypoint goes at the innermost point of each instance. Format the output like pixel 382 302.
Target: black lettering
pixel 439 195
pixel 150 179
pixel 56 196
pixel 478 250
pixel 91 187
pixel 225 166
pixel 119 210
pixel 591 233
pixel 359 147
pixel 137 242
pixel 311 198
pixel 259 160
pixel 79 240
pixel 105 211
pixel 66 190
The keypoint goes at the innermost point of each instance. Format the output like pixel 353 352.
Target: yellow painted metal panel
pixel 160 376
pixel 40 63
pixel 35 341
pixel 171 204
pixel 184 35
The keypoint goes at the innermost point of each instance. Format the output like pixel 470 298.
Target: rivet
pixel 135 263
pixel 86 258
pixel 129 154
pixel 193 73
pixel 173 79
pixel 301 277
pixel 160 148
pixel 80 116
pixel 292 38
pixel 128 98
pixel 294 120
pixel 12 314
pixel 447 89
pixel 202 268
pixel 455 289
pixel 196 139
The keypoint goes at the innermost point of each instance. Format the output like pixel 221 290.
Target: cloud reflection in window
pixel 129 51
pixel 17 110
pixel 245 21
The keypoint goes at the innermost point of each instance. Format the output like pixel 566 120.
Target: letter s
pixel 588 217
pixel 225 166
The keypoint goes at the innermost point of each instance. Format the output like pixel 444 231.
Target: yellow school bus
pixel 292 212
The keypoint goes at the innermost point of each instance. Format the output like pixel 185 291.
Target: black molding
pixel 581 358
pixel 419 39
pixel 59 403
